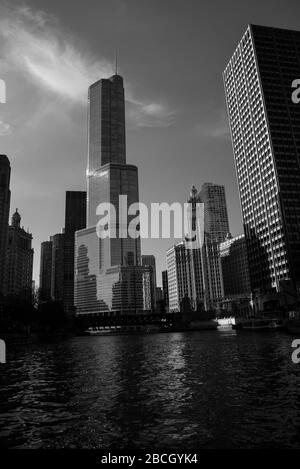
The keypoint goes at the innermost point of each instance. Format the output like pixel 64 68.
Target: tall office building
pixel 235 267
pixel 45 271
pixel 57 271
pixel 265 132
pixel 149 260
pixel 75 219
pixel 4 214
pixel 19 261
pixel 108 276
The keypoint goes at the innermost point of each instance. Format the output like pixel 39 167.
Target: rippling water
pixel 214 389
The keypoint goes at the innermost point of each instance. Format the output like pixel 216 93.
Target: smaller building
pixel 165 289
pixel 148 260
pixel 45 271
pixel 19 261
pixel 75 219
pixel 179 260
pixel 57 272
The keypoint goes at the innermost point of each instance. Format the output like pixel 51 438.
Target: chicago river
pixel 208 389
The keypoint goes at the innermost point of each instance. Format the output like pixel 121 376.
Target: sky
pixel 171 54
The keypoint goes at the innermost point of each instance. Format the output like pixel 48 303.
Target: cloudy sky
pixel 171 55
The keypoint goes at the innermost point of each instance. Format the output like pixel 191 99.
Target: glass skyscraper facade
pixel 109 278
pixel 265 132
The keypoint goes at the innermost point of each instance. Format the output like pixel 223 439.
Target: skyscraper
pixel 265 132
pixel 75 219
pixel 149 260
pixel 108 175
pixel 108 274
pixel 19 261
pixel 195 271
pixel 215 211
pixel 211 228
pixel 45 271
pixel 4 214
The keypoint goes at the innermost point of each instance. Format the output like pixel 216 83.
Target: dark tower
pixel 45 271
pixel 75 219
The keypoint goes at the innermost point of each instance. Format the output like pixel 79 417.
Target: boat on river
pixel 258 324
pixel 150 328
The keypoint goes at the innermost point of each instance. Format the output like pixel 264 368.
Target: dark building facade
pixel 4 214
pixel 45 271
pixel 265 131
pixel 19 261
pixel 57 267
pixel 75 219
pixel 164 275
pixel 234 266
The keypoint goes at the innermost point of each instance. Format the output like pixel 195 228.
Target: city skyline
pixel 165 121
pixel 149 143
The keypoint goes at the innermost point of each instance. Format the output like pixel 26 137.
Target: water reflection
pixel 193 390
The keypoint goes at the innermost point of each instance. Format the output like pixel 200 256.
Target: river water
pixel 214 389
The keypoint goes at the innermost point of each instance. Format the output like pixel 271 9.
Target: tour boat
pixel 258 324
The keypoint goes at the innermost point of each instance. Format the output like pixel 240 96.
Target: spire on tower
pixel 116 62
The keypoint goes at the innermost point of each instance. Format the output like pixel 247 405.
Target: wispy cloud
pixel 35 45
pixel 151 114
pixel 215 126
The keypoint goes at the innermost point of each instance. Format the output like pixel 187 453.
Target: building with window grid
pixel 265 132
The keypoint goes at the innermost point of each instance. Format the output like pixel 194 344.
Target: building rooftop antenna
pixel 116 62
